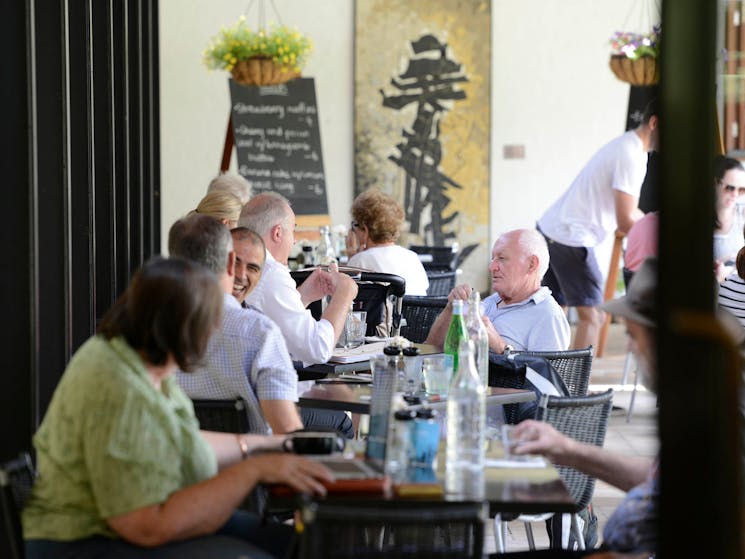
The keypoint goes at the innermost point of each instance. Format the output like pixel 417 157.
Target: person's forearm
pixel 626 222
pixel 438 331
pixel 196 510
pixel 281 415
pixel 623 472
pixel 306 294
pixel 337 309
pixel 227 446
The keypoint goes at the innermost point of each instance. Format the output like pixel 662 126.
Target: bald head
pixel 270 215
pixel 532 243
pixel 265 211
pixel 519 261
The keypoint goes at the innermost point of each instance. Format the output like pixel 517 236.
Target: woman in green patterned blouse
pixel 123 469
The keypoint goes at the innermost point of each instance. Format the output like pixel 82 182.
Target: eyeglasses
pixel 731 188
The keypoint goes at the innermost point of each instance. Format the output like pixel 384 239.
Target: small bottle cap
pixel 405 415
pixel 426 413
pixel 458 306
pixel 411 351
pixel 392 350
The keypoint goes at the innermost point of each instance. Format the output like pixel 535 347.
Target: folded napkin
pixel 357 354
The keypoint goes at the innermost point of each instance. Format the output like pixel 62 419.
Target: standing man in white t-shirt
pixel 602 198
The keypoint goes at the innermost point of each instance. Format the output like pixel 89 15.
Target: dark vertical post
pixel 17 356
pixel 81 151
pixel 700 456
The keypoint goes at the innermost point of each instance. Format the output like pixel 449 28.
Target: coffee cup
pixel 313 443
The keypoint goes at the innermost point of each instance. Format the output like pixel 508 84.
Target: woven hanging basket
pixel 641 71
pixel 261 71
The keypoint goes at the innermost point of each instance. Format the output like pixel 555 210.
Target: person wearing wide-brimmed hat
pixel 632 527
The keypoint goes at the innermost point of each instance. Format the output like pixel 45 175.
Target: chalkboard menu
pixel 278 142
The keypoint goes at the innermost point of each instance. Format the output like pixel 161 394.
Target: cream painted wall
pixel 195 102
pixel 552 92
pixel 551 87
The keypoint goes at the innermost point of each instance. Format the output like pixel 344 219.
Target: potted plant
pixel 258 57
pixel 634 56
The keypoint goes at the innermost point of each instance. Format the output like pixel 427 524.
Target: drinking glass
pixel 354 329
pixel 438 372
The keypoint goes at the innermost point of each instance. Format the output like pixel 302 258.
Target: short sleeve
pixel 272 371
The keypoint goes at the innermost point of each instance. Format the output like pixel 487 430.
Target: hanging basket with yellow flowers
pixel 258 57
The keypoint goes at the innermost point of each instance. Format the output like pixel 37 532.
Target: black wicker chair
pixel 224 416
pixel 382 529
pixel 585 419
pixel 574 366
pixel 374 291
pixel 440 283
pixel 16 479
pixel 420 313
pixel 443 258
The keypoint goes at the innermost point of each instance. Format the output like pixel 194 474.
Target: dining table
pixel 509 487
pixel 340 364
pixel 355 397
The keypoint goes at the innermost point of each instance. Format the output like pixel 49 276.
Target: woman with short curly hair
pixel 371 244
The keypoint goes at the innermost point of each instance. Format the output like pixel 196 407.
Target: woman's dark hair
pixel 171 306
pixel 722 164
pixel 740 263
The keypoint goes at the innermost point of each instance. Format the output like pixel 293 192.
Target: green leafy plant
pixel 288 48
pixel 636 45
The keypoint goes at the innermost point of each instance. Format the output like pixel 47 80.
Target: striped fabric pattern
pixel 732 296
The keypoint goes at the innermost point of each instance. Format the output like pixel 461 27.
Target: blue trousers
pixel 242 537
pixel 327 420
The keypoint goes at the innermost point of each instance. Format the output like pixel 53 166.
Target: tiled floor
pixel 637 437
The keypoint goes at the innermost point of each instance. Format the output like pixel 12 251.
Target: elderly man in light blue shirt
pixel 521 314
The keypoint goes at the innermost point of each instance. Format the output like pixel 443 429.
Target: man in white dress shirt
pixel 309 340
pixel 247 355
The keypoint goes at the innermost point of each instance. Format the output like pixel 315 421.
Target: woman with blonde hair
pixel 371 244
pixel 222 205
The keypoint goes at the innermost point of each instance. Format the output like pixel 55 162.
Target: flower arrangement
pixel 634 56
pixel 279 53
pixel 636 45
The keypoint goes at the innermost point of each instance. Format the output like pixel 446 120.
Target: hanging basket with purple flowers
pixel 634 56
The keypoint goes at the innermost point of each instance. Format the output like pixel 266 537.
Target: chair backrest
pixel 531 372
pixel 372 529
pixel 574 366
pixel 374 290
pixel 420 313
pixel 443 258
pixel 585 419
pixel 225 416
pixel 16 480
pixel 440 283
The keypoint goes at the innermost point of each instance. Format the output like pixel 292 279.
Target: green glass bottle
pixel 456 332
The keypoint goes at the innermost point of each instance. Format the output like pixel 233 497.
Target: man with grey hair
pixel 520 315
pixel 247 355
pixel 309 340
pixel 230 182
